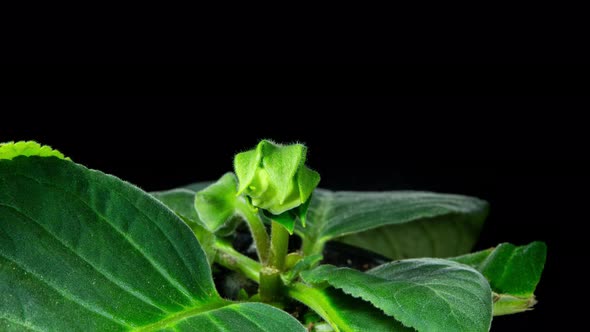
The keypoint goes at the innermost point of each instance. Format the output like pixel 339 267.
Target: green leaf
pixel 426 294
pixel 10 150
pixel 239 317
pixel 181 201
pixel 245 166
pixel 302 211
pixel 344 312
pixel 197 185
pixel 307 180
pixel 513 273
pixel 302 265
pixel 282 162
pixel 85 251
pixel 396 224
pixel 287 219
pixel 218 203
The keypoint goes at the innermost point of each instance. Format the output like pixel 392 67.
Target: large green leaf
pixel 344 312
pixel 85 251
pixel 426 294
pixel 513 273
pixel 396 224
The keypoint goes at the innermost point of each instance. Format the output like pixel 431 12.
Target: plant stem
pixel 257 229
pixel 271 284
pixel 279 244
pixel 228 257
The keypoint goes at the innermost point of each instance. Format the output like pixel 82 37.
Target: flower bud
pixel 275 177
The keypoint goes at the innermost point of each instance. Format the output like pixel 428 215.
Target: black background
pixel 526 156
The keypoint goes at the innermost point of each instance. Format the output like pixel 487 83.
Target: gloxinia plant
pixel 253 251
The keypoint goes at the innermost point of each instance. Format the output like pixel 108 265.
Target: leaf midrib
pixel 182 315
pixel 116 281
pixel 176 284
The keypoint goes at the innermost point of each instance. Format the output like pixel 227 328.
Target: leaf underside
pixel 85 251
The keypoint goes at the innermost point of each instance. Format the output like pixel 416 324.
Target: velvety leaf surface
pixel 426 294
pixel 85 251
pixel 513 273
pixel 344 312
pixel 181 201
pixel 198 185
pixel 396 224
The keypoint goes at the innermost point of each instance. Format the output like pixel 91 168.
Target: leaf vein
pixel 108 276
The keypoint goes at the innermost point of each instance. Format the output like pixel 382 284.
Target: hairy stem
pixel 257 229
pixel 228 257
pixel 271 284
pixel 279 244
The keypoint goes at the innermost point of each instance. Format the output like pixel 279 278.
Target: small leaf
pixel 395 224
pixel 11 150
pixel 282 162
pixel 217 204
pixel 307 180
pixel 505 304
pixel 513 273
pixel 514 270
pixel 302 211
pixel 304 264
pixel 287 219
pixel 220 208
pixel 426 294
pixel 245 165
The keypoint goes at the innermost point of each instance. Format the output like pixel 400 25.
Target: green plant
pixel 82 250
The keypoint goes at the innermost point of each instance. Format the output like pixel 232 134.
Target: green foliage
pixel 344 312
pixel 81 250
pixel 181 202
pixel 219 203
pixel 427 294
pixel 513 273
pixel 84 251
pixel 276 179
pixel 396 224
pixel 11 150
